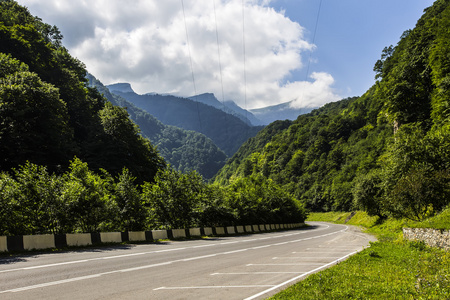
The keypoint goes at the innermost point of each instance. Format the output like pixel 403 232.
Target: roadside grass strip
pixel 386 270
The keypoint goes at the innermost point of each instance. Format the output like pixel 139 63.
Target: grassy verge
pixel 390 269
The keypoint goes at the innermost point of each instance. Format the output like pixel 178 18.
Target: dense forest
pixel 71 161
pixel 386 152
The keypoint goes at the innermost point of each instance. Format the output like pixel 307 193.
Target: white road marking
pixel 298 277
pixel 255 273
pixel 210 287
pixel 296 264
pixel 297 257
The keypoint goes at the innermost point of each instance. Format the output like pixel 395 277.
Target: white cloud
pixel 144 42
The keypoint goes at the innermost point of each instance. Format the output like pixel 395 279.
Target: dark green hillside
pixel 48 114
pixel 228 132
pixel 345 155
pixel 183 150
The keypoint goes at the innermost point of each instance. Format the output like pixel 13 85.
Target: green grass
pixel 406 270
pixel 391 268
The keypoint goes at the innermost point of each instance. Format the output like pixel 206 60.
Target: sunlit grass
pixel 405 270
pixel 391 268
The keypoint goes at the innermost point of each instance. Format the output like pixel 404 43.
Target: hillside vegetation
pixel 49 114
pixel 184 150
pixel 386 152
pixel 227 131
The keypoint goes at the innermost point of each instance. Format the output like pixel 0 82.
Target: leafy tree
pixel 33 119
pixel 368 193
pixel 258 200
pixel 124 145
pixel 85 197
pixel 34 200
pixel 9 206
pixel 174 199
pixel 132 213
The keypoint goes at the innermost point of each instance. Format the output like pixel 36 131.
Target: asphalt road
pixel 243 267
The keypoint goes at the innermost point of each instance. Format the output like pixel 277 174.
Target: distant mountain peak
pixel 120 87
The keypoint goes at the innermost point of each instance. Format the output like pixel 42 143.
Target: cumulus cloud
pixel 144 42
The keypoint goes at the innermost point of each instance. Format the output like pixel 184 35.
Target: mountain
pixel 227 131
pixel 228 106
pixel 183 150
pixel 120 87
pixel 283 111
pixel 386 152
pixel 48 112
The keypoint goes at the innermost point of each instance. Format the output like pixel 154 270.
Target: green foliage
pixel 33 118
pixel 367 193
pixel 131 210
pixel 49 114
pixel 256 199
pixel 85 197
pixel 415 171
pixel 174 200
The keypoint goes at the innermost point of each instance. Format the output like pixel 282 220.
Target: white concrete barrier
pixel 195 232
pixel 231 230
pixel 248 228
pixel 136 236
pixel 40 241
pixel 262 227
pixel 159 234
pixel 111 237
pixel 78 239
pixel 220 230
pixel 208 230
pixel 240 229
pixel 3 244
pixel 179 233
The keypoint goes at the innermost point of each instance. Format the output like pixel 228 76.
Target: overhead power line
pixel 192 66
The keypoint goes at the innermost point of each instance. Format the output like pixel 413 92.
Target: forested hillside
pixel 184 150
pixel 387 152
pixel 49 114
pixel 226 131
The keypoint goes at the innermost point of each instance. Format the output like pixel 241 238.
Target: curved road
pixel 252 266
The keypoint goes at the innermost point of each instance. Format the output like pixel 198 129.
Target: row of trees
pixel 35 201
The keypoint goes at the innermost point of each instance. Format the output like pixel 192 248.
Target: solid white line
pixel 256 273
pixel 332 250
pixel 298 277
pixel 199 257
pixel 235 251
pixel 297 257
pixel 259 247
pixel 296 264
pixel 210 287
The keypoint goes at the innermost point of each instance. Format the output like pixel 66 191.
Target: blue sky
pixel 351 35
pixel 144 42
